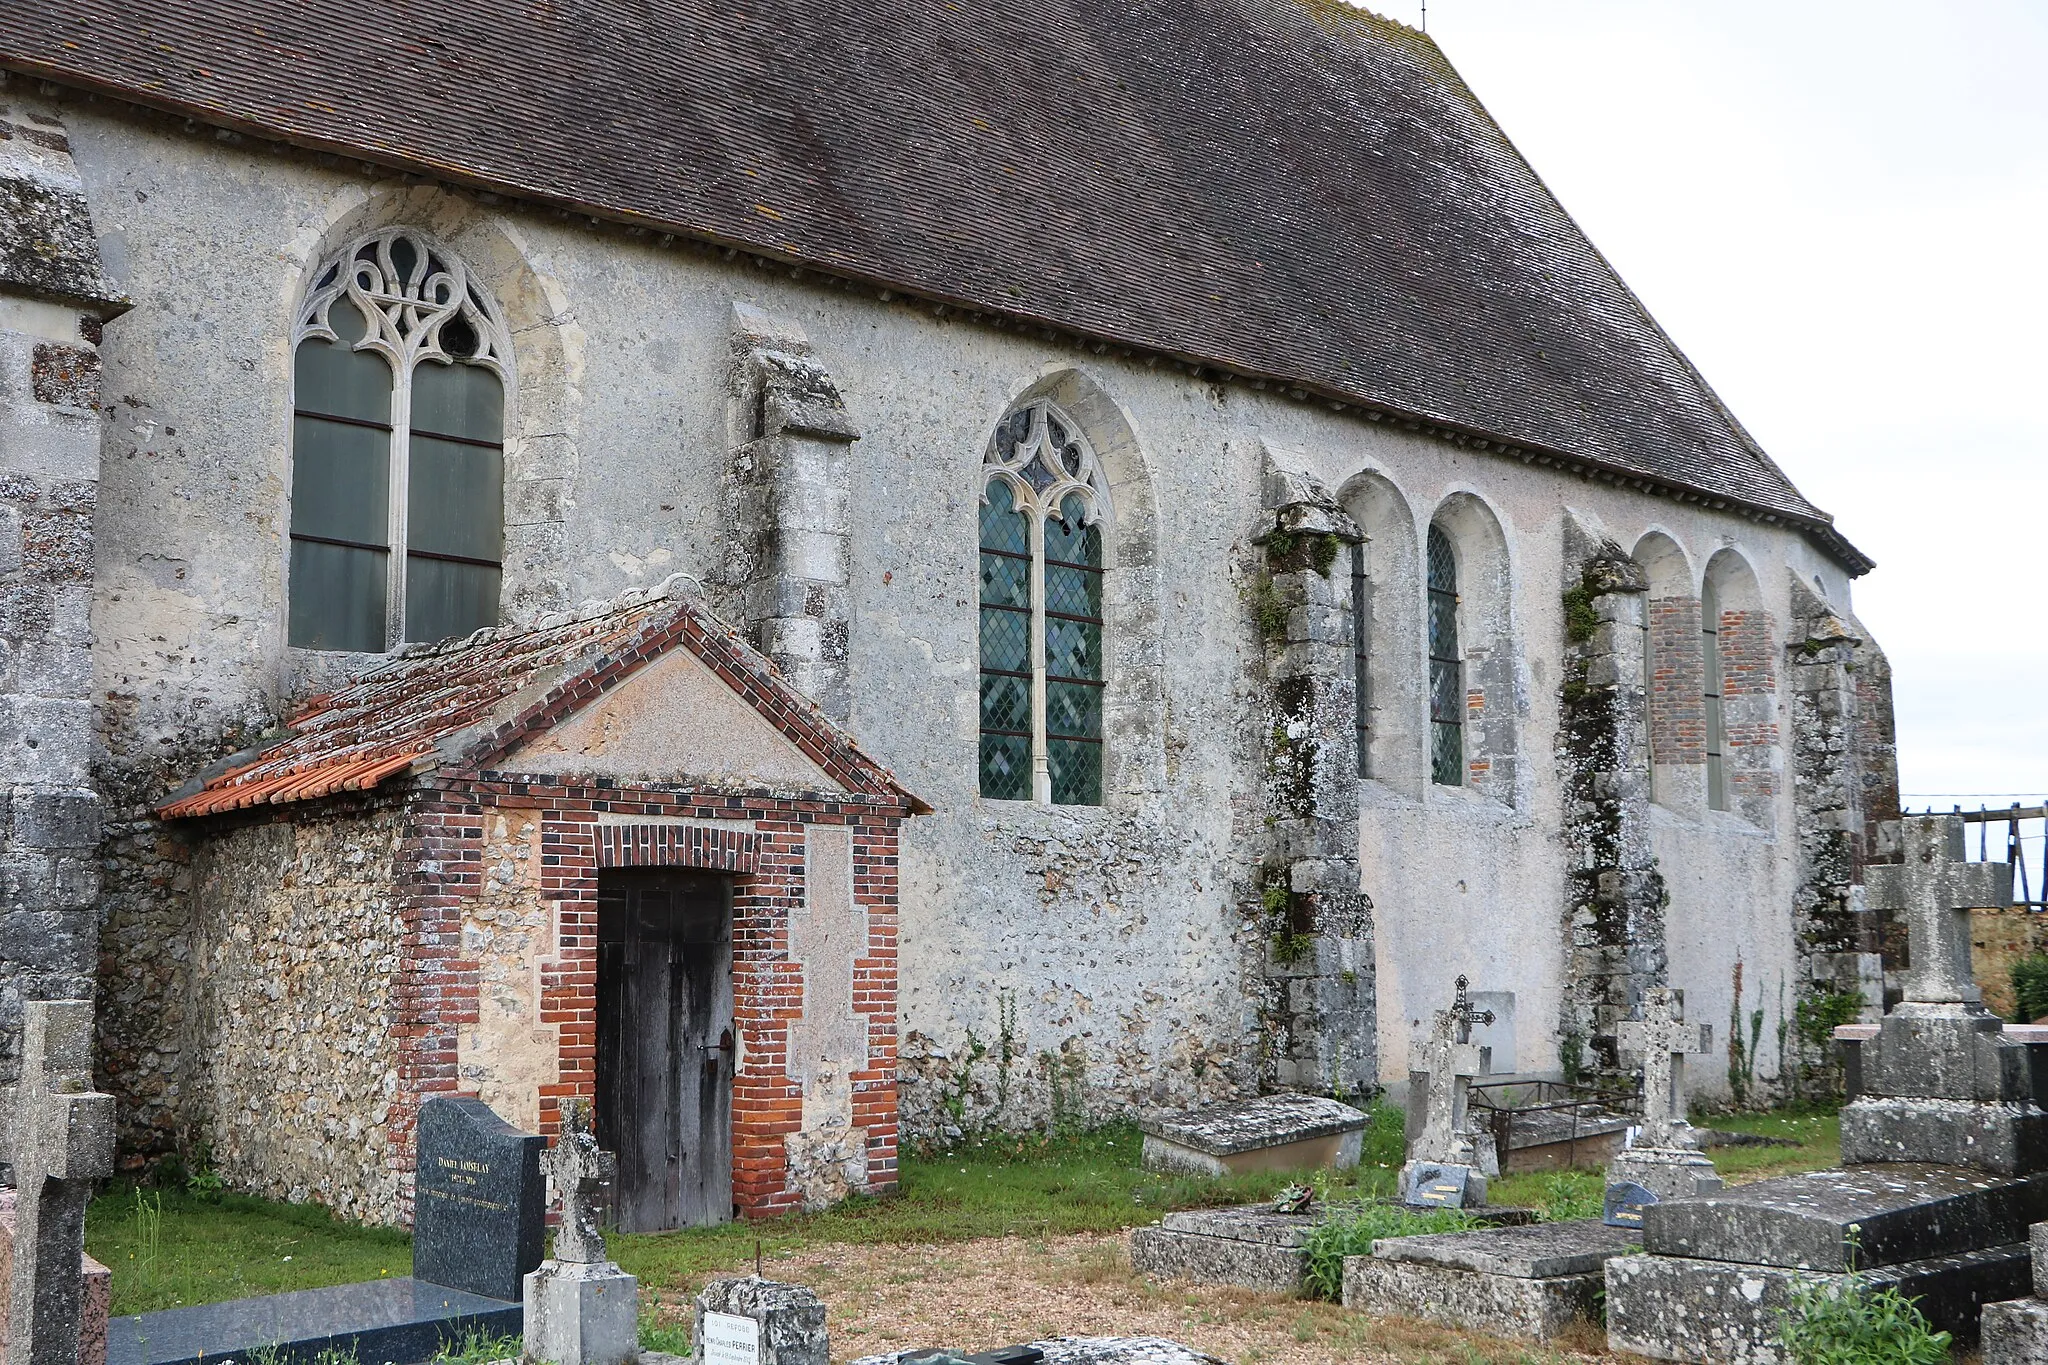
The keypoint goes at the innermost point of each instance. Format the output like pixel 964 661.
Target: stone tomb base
pixel 2016 1333
pixel 1529 1283
pixel 1270 1133
pixel 1253 1248
pixel 1677 1308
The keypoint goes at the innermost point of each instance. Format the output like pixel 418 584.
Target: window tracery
pixel 1044 504
pixel 401 366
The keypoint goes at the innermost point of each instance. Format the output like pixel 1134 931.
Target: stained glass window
pixel 1446 669
pixel 1043 514
pixel 1717 733
pixel 398 445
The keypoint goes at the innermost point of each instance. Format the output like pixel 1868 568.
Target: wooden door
pixel 665 1046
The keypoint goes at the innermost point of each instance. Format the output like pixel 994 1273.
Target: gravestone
pixel 752 1321
pixel 580 1308
pixel 1448 1162
pixel 1665 1158
pixel 2016 1331
pixel 1943 1140
pixel 1530 1283
pixel 479 1206
pixel 60 1140
pixel 94 1307
pixel 1254 1247
pixel 1269 1133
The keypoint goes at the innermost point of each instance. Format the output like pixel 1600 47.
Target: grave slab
pixel 397 1320
pixel 480 1209
pixel 1529 1283
pixel 1253 1247
pixel 1270 1133
pixel 1678 1308
pixel 1900 1213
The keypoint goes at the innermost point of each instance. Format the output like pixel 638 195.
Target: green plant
pixel 1581 622
pixel 1568 1195
pixel 669 1338
pixel 1350 1230
pixel 476 1347
pixel 2030 987
pixel 1323 552
pixel 1831 1323
pixel 205 1183
pixel 1268 608
pixel 149 1234
pixel 1818 1016
pixel 1279 546
pixel 1006 1044
pixel 1290 947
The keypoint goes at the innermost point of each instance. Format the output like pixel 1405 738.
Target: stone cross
pixel 61 1141
pixel 1664 1038
pixel 1450 1065
pixel 577 1171
pixel 1937 889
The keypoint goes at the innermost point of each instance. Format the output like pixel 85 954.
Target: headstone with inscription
pixel 479 1207
pixel 752 1321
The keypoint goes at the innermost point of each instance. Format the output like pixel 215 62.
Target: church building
pixel 834 576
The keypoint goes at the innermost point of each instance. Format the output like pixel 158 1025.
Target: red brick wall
pixel 1749 690
pixel 1678 715
pixel 763 849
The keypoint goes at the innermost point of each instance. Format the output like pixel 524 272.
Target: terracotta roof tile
pixel 1288 189
pixel 399 716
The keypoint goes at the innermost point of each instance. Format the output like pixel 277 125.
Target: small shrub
pixel 2030 987
pixel 1569 1195
pixel 1269 609
pixel 476 1347
pixel 1849 1325
pixel 1351 1231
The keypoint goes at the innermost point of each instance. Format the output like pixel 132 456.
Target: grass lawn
pixel 170 1247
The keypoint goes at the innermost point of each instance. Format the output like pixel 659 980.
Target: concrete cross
pixel 1664 1038
pixel 577 1171
pixel 1937 889
pixel 61 1141
pixel 1450 1065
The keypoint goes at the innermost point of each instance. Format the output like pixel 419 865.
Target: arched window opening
pixel 1043 504
pixel 398 514
pixel 1446 667
pixel 1361 655
pixel 1717 731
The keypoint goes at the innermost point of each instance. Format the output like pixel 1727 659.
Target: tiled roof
pixel 1291 190
pixel 466 701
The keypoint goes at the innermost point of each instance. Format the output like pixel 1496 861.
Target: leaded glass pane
pixel 456 500
pixel 1005 640
pixel 445 598
pixel 331 378
pixel 1447 755
pixel 1006 767
pixel 1070 540
pixel 1361 655
pixel 341 481
pixel 1073 649
pixel 1003 528
pixel 1443 624
pixel 1076 769
pixel 1073 592
pixel 1446 695
pixel 1073 710
pixel 1005 581
pixel 458 400
pixel 337 597
pixel 1443 565
pixel 1006 704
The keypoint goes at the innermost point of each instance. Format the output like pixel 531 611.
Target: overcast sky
pixel 1841 213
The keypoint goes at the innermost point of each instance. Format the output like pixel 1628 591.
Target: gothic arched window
pixel 1044 503
pixel 398 509
pixel 1446 668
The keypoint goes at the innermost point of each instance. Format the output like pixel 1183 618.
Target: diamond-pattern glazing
pixel 1076 772
pixel 1006 704
pixel 1073 649
pixel 1073 710
pixel 1006 767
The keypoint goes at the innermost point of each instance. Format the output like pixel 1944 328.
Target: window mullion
pixel 1041 761
pixel 401 503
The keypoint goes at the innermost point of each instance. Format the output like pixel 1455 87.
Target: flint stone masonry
pixel 1273 1132
pixel 1082 1351
pixel 1897 1212
pixel 1528 1282
pixel 1677 1308
pixel 791 1318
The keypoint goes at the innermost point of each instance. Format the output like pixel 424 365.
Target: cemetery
pixel 743 683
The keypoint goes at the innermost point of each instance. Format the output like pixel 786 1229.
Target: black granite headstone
pixel 479 1205
pixel 1439 1187
pixel 1626 1201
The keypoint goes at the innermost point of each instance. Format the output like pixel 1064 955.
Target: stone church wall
pixel 1059 962
pixel 292 1069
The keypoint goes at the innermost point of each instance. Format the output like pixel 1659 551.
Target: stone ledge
pixel 1502 1305
pixel 1175 1255
pixel 1537 1251
pixel 1269 1121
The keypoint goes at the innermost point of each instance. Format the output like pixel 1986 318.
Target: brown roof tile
pixel 1283 188
pixel 491 690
